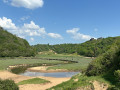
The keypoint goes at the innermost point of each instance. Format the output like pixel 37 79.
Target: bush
pixel 108 61
pixel 117 75
pixel 8 85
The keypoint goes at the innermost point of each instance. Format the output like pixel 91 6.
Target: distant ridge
pixel 91 48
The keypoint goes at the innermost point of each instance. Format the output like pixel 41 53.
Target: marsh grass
pixel 11 62
pixel 81 65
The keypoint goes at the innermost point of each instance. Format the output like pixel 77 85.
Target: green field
pixel 40 59
pixel 5 63
pixel 81 65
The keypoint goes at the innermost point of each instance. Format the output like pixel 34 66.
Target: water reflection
pixel 54 74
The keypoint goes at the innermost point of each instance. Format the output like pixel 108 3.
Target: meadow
pixel 9 62
pixel 81 65
pixel 42 59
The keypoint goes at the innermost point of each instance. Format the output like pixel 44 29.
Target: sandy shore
pixel 54 82
pixel 18 78
pixel 44 69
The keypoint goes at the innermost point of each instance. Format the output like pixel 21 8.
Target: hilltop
pixel 13 46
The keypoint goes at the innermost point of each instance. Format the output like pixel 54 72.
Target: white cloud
pixel 30 4
pixel 78 36
pixel 28 29
pixel 33 30
pixel 55 35
pixel 73 31
pixel 7 23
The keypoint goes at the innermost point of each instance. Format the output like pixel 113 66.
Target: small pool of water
pixel 54 74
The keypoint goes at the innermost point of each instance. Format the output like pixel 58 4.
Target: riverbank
pixel 18 78
pixel 45 69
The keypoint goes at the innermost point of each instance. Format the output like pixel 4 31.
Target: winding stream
pixel 53 74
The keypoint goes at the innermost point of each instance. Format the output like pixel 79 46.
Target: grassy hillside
pixel 105 69
pixel 13 46
pixel 107 65
pixel 91 48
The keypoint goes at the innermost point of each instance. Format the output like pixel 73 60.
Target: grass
pixel 81 65
pixel 79 81
pixel 82 61
pixel 7 62
pixel 33 81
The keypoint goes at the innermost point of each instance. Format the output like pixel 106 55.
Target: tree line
pixel 91 48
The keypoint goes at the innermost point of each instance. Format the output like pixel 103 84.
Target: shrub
pixel 8 85
pixel 108 61
pixel 117 75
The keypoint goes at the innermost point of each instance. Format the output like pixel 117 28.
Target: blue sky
pixel 60 21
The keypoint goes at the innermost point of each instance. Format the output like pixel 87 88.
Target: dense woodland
pixel 91 48
pixel 13 46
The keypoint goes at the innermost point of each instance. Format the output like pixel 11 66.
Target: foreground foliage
pixel 8 85
pixel 79 82
pixel 107 65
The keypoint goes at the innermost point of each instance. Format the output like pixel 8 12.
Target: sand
pixel 44 69
pixel 54 82
pixel 18 78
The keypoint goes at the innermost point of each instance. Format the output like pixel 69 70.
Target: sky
pixel 60 21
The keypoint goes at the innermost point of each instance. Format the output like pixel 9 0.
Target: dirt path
pixel 99 86
pixel 18 78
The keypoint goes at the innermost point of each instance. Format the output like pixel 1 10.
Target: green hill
pixel 103 73
pixel 107 66
pixel 91 48
pixel 13 46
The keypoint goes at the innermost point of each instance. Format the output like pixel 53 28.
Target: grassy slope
pixel 79 81
pixel 101 69
pixel 13 46
pixel 33 81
